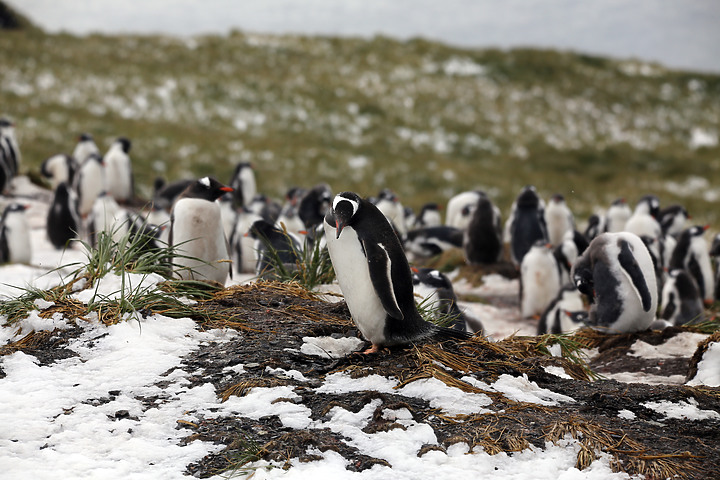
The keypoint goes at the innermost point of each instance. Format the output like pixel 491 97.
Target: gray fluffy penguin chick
pixel 196 233
pixel 617 275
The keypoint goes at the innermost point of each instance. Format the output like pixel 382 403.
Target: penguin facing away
pixel 681 302
pixel 196 233
pixel 15 245
pixel 617 216
pixel 616 273
pixel 63 220
pixel 526 223
pixel 482 239
pixel 374 274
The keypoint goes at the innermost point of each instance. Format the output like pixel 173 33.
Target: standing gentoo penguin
pixel 558 219
pixel 89 183
pixel 63 221
pixel 482 240
pixel 644 221
pixel 526 223
pixel 15 245
pixel 681 302
pixel 691 253
pixel 243 184
pixel 374 274
pixel 617 274
pixel 539 280
pixel 617 216
pixel 84 148
pixel 196 233
pixel 59 168
pixel 118 171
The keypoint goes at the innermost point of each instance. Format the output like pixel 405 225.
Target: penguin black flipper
pixel 630 265
pixel 695 272
pixel 380 274
pixel 4 249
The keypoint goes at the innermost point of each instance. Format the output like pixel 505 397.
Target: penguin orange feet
pixel 373 349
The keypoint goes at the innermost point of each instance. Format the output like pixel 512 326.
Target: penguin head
pixel 528 198
pixel 697 230
pixel 206 188
pixel 649 204
pixel 85 137
pixel 125 144
pixel 344 207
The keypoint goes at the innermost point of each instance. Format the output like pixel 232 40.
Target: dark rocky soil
pixel 273 319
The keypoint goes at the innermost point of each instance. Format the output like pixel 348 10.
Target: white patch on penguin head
pixel 205 181
pixel 341 197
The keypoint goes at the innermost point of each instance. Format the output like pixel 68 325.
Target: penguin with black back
pixel 274 245
pixel 715 254
pixel 374 275
pixel 681 302
pixel 617 275
pixel 482 240
pixel 196 232
pixel 527 224
pixel 15 245
pixel 63 220
pixel 436 288
pixel 314 205
pixel 692 254
pixel 593 228
pixel 9 146
pixel 427 242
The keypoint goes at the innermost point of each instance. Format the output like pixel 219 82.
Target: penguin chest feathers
pixel 353 275
pixel 197 231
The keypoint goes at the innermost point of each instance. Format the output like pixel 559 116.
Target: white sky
pixel 677 33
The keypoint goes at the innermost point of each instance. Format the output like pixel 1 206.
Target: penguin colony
pixel 629 270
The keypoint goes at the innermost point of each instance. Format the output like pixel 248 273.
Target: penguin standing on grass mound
pixel 374 275
pixel 196 233
pixel 617 274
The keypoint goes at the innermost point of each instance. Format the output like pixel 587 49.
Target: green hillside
pixel 425 119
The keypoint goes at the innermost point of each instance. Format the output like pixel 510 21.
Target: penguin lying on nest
pixel 374 275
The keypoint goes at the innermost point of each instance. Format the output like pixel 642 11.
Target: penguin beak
pixel 338 227
pixel 227 189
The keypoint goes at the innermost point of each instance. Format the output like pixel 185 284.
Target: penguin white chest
pixel 18 239
pixel 197 232
pixel 353 275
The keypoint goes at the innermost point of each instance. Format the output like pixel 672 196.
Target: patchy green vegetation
pixel 425 119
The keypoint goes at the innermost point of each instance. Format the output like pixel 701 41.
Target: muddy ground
pixel 273 319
